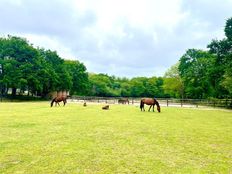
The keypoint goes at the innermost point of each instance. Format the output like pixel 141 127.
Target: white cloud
pixel 124 38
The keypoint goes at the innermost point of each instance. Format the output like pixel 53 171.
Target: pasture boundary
pixel 169 102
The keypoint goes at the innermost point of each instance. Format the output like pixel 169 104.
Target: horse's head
pixel 158 108
pixel 53 100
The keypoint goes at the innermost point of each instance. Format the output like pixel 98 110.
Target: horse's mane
pixel 156 102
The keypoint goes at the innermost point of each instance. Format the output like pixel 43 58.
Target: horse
pixel 123 101
pixel 107 107
pixel 149 101
pixel 59 99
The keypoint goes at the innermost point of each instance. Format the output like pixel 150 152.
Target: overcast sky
pixel 125 38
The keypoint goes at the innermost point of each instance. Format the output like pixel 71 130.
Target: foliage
pixel 228 29
pixel 173 85
pixel 79 77
pixel 207 74
pixel 194 70
pixel 104 85
pixel 36 70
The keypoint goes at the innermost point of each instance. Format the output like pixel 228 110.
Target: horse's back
pixel 123 101
pixel 148 101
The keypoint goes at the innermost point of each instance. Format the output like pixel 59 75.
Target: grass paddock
pixel 35 138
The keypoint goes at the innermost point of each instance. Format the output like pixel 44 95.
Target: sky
pixel 125 38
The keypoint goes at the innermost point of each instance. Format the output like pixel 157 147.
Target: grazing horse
pixel 149 101
pixel 59 99
pixel 123 101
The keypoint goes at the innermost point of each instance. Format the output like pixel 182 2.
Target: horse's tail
pixel 52 102
pixel 141 104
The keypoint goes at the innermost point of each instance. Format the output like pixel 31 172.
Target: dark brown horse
pixel 123 101
pixel 149 101
pixel 107 107
pixel 59 99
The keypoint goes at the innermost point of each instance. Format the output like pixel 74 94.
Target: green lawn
pixel 35 138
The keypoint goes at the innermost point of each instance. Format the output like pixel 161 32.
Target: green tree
pixel 195 66
pixel 137 86
pixel 100 84
pixel 15 54
pixel 228 29
pixel 59 79
pixel 153 87
pixel 79 76
pixel 173 85
pixel 221 49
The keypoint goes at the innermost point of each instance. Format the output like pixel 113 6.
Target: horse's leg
pixel 149 108
pixel 141 105
pixel 142 108
pixel 153 107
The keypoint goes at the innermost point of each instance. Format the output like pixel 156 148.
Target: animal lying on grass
pixel 107 107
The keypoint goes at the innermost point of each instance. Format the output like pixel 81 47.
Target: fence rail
pixel 225 103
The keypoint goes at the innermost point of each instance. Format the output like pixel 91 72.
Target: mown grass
pixel 35 138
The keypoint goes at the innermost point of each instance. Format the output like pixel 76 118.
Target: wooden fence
pixel 224 103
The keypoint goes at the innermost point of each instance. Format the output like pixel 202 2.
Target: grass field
pixel 35 138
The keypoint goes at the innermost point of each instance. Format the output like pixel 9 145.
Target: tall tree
pixel 79 76
pixel 15 54
pixel 228 29
pixel 138 86
pixel 222 49
pixel 173 85
pixel 195 66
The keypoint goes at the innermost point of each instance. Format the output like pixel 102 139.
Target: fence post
pixel 167 102
pixel 181 102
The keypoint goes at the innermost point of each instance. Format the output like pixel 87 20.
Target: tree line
pixel 38 71
pixel 198 73
pixel 206 74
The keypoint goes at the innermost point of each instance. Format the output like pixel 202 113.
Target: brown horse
pixel 123 101
pixel 59 99
pixel 149 101
pixel 107 107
